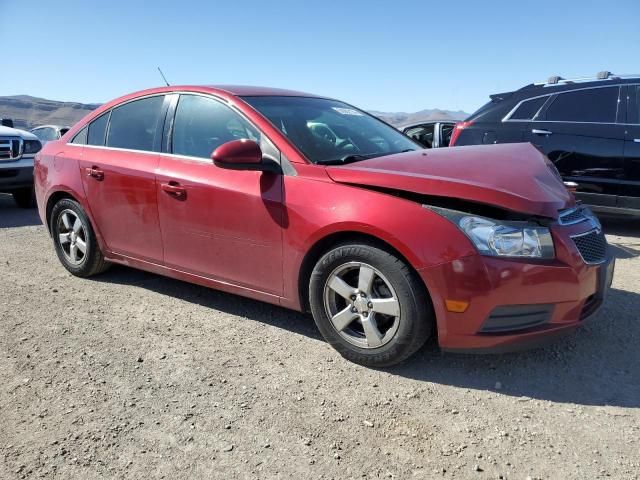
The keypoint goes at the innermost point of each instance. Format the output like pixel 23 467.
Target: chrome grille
pixel 10 148
pixel 592 246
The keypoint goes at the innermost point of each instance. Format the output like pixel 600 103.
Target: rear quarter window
pixel 594 105
pixel 97 130
pixel 528 109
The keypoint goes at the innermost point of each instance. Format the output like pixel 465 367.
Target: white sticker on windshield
pixel 347 111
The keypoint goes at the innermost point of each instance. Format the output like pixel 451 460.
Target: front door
pixel 118 171
pixel 225 225
pixel 580 133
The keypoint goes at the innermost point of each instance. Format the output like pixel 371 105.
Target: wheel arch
pixel 54 198
pixel 326 243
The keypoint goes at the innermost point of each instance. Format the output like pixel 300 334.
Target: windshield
pixel 331 132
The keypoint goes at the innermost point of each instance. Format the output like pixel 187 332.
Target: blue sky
pixel 382 55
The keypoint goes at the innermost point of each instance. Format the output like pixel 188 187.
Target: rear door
pixel 118 171
pixel 580 132
pixel 225 225
pixel 630 189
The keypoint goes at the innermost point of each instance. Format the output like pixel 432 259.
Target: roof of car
pixel 255 91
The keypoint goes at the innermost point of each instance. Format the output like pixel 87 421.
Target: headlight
pixel 31 146
pixel 503 239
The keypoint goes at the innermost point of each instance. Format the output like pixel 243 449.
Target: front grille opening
pixel 592 246
pixel 572 216
pixel 9 148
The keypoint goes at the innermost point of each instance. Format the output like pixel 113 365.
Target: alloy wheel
pixel 72 236
pixel 362 305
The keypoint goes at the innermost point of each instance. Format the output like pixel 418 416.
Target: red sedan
pixel 315 205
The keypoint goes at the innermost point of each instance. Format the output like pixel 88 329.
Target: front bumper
pixel 515 304
pixel 16 175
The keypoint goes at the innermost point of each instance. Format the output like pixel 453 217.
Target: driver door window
pixel 202 124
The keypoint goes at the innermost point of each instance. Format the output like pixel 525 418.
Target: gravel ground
pixel 132 375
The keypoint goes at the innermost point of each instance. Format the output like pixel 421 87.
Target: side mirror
pixel 243 155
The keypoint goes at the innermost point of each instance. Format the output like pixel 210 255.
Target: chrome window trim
pixel 222 100
pixel 507 118
pixel 144 152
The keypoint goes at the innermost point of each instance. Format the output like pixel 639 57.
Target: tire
pixel 25 197
pixel 393 288
pixel 70 238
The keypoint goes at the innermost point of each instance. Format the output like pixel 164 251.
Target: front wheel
pixel 369 305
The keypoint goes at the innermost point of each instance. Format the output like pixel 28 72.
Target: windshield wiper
pixel 354 157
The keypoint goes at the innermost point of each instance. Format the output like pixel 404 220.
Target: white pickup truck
pixel 17 150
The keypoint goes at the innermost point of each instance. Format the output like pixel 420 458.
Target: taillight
pixel 457 130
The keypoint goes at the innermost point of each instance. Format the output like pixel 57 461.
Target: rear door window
pixel 136 125
pixel 595 105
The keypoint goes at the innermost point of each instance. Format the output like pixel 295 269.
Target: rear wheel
pixel 25 197
pixel 75 240
pixel 369 305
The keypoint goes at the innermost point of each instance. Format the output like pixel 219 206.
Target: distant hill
pixel 401 118
pixel 29 112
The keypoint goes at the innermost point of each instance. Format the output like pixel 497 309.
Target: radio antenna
pixel 163 77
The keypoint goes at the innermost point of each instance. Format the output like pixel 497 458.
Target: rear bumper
pixel 16 175
pixel 513 305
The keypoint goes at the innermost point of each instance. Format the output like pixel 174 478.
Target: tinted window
pixel 445 135
pixel 528 109
pixel 202 124
pixel 591 105
pixel 97 129
pixel 633 111
pixel 422 134
pixel 134 125
pixel 80 137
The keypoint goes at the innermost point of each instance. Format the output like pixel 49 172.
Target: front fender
pixel 316 210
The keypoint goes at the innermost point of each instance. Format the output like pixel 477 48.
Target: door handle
pixel 95 172
pixel 637 140
pixel 174 189
pixel 537 131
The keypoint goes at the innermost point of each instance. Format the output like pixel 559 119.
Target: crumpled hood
pixel 516 176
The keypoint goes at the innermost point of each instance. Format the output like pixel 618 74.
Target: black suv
pixel 588 127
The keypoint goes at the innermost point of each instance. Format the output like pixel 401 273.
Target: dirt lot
pixel 131 375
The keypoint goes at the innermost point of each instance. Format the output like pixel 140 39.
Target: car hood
pixel 516 177
pixel 16 132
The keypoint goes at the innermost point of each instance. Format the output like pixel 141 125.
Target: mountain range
pixel 29 112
